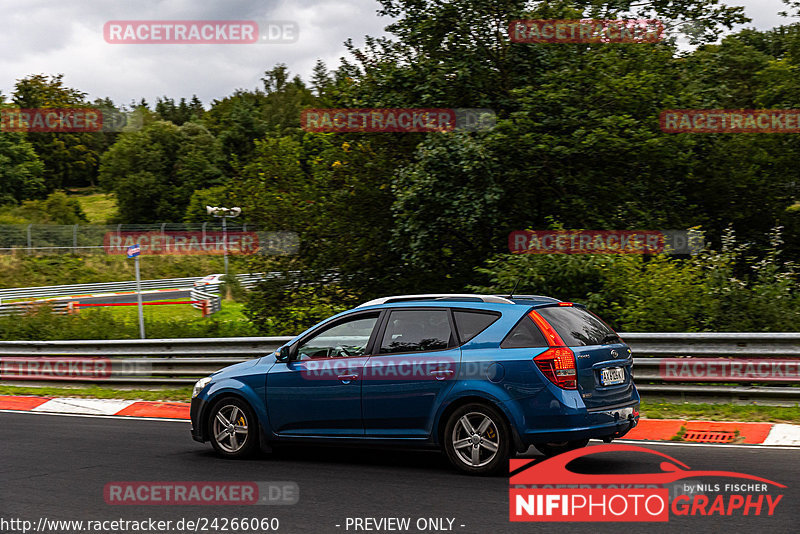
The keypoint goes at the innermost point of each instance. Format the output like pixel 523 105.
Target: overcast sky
pixel 50 37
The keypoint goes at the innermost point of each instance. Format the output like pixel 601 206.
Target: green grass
pixel 721 412
pixel 231 312
pixel 97 392
pixel 98 207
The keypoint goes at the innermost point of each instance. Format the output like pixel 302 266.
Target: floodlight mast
pixel 224 214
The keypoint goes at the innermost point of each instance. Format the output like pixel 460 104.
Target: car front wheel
pixel 477 440
pixel 233 428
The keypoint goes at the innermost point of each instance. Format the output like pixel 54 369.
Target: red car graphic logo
pixel 554 470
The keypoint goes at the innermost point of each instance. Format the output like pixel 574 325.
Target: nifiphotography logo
pixel 549 491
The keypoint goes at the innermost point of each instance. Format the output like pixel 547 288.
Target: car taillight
pixel 550 334
pixel 558 365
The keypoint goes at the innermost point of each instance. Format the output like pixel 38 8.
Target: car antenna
pixel 515 288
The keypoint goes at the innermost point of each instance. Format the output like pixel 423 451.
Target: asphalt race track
pixel 131 297
pixel 57 466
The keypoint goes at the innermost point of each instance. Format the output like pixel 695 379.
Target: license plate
pixel 612 375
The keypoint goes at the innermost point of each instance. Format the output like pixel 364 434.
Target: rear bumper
pixel 608 424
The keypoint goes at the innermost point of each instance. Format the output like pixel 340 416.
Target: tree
pixel 239 120
pixel 335 194
pixel 155 171
pixel 320 78
pixel 181 113
pixel 70 159
pixel 447 210
pixel 21 170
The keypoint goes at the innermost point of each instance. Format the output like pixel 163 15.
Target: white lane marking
pixel 718 445
pixel 123 417
pixel 783 434
pixel 85 406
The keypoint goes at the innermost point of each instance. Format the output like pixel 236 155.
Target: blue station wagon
pixel 480 377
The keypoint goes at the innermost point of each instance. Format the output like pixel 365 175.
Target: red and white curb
pixel 647 430
pixel 783 434
pixel 123 408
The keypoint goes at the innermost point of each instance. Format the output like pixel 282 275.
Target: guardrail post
pixel 30 239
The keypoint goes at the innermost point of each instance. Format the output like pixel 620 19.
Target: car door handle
pixel 347 378
pixel 441 374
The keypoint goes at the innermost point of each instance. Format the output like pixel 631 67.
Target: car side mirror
pixel 283 354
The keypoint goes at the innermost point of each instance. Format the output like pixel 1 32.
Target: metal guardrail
pixel 716 353
pixel 102 287
pixel 61 308
pixel 214 300
pixel 155 362
pixel 145 362
pixel 246 280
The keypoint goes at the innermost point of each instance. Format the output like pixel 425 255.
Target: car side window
pixel 524 334
pixel 470 323
pixel 343 340
pixel 417 331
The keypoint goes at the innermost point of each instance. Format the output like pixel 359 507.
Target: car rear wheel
pixel 233 428
pixel 477 440
pixel 552 449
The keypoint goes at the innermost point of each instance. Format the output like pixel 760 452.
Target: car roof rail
pixel 533 297
pixel 462 297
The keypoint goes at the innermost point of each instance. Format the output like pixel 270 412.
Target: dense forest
pixel 577 144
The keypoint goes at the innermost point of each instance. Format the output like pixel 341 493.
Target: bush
pixel 57 208
pixel 725 290
pixel 41 324
pixel 278 307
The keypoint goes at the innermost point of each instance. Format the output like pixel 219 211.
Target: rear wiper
pixel 609 338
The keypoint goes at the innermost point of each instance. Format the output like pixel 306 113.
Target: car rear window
pixel 525 334
pixel 577 326
pixel 470 323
